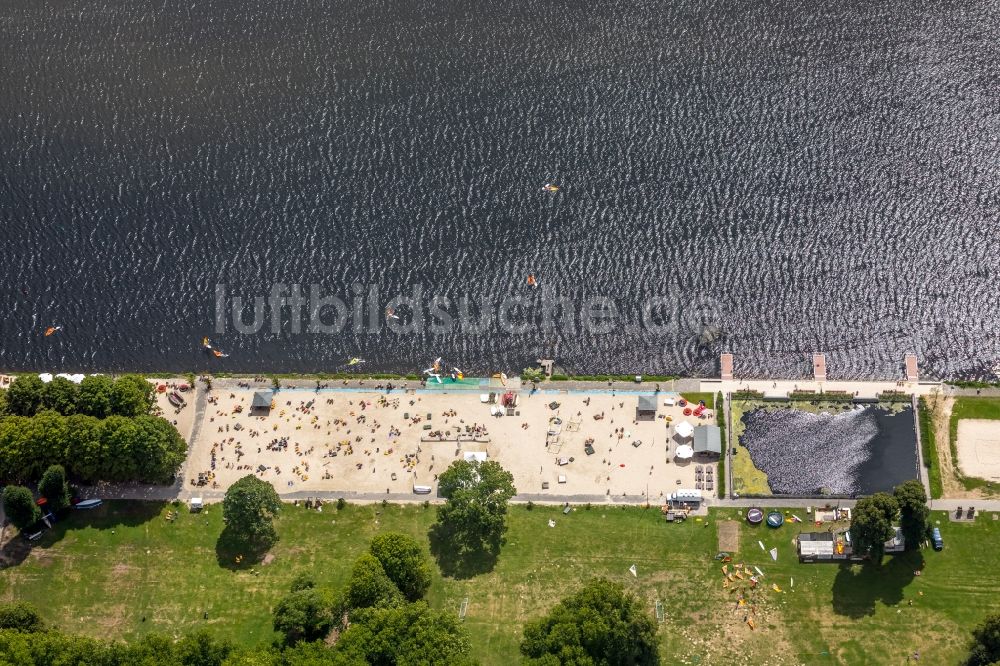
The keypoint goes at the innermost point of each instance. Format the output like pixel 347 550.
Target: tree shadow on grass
pixel 110 515
pixel 235 553
pixel 456 559
pixel 858 587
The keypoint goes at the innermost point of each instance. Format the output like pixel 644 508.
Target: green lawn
pixel 101 572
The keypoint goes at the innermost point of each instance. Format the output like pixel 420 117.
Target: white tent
pixel 476 455
pixel 76 379
pixel 46 377
pixel 684 429
pixel 684 452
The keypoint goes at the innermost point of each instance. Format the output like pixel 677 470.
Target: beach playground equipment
pixel 775 519
pixel 755 516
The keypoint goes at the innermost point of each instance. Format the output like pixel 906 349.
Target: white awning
pixel 479 456
pixel 684 452
pixel 684 429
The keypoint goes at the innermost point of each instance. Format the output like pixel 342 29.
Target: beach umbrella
pixel 684 452
pixel 46 377
pixel 684 429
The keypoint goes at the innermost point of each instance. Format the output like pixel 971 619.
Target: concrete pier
pixel 726 365
pixel 819 367
pixel 912 373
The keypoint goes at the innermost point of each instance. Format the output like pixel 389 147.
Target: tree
pixel 913 512
pixel 533 375
pixel 406 634
pixel 24 397
pixel 54 489
pixel 303 615
pixel 600 624
pixel 470 527
pixel 61 395
pixel 404 563
pixel 94 397
pixel 19 505
pixel 20 616
pixel 249 509
pixel 984 649
pixel 871 525
pixel 370 586
pixel 131 395
pixel 202 649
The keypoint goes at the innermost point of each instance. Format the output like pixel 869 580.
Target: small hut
pixel 646 409
pixel 261 404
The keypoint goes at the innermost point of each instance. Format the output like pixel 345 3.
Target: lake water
pixel 770 178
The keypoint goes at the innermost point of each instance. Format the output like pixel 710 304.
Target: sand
pixel 183 417
pixel 376 443
pixel 979 448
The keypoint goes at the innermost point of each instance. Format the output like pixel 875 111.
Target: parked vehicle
pixel 936 539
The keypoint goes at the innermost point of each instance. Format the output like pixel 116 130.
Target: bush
pixel 19 505
pixel 20 616
pixel 54 489
pixel 302 581
pixel 341 503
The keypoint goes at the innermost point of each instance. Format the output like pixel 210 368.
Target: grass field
pixel 100 573
pixel 971 408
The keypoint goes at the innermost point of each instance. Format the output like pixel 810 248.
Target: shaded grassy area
pixel 100 572
pixel 971 408
pixel 928 447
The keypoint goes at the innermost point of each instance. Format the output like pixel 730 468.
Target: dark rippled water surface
pixel 858 450
pixel 785 177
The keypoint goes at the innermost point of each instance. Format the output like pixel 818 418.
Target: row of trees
pixel 143 448
pixel 873 518
pixel 98 396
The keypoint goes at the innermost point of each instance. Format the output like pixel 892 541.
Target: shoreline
pixel 557 380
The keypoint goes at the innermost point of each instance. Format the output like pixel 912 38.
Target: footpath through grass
pixel 100 573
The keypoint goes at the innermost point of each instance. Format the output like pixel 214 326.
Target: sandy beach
pixel 378 442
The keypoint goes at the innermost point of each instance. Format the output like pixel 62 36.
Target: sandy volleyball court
pixel 372 442
pixel 979 448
